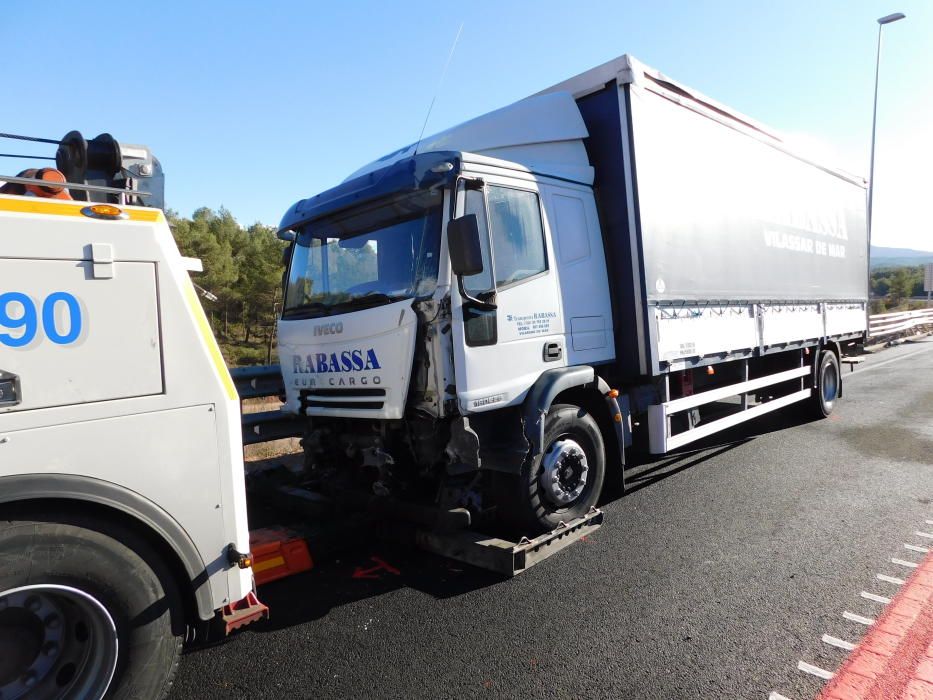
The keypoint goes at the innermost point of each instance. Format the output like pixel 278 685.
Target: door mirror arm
pixel 487 305
pixel 465 251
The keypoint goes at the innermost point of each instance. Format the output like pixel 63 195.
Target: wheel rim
pixel 830 383
pixel 70 647
pixel 563 472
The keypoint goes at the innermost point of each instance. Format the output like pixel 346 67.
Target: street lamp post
pixel 874 117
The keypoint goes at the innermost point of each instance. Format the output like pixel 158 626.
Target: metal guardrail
pixel 258 382
pixel 266 380
pixel 885 325
pixel 264 426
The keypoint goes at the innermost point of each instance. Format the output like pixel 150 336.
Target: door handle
pixel 553 352
pixel 9 389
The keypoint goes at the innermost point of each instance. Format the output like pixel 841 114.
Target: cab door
pixel 500 351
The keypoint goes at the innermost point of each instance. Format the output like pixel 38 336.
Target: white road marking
pixel 928 535
pixel 887 362
pixel 814 670
pixel 915 548
pixel 777 696
pixel 858 618
pixel 836 642
pixel 890 579
pixel 901 562
pixel 877 598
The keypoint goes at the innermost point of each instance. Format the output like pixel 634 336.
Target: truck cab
pixel 407 366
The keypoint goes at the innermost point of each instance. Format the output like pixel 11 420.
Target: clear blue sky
pixel 253 105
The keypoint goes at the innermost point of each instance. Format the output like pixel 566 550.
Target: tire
pixel 548 490
pixel 96 606
pixel 828 381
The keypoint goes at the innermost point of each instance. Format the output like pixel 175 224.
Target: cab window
pixel 517 234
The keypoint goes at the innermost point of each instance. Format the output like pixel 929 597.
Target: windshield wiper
pixel 311 308
pixel 368 299
pixel 318 308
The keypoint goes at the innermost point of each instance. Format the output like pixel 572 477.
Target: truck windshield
pixel 375 255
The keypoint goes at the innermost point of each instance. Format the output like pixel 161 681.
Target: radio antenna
pixel 427 116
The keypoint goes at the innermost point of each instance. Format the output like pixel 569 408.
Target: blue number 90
pixel 27 319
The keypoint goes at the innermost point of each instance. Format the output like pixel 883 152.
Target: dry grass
pixel 275 448
pixel 269 450
pixel 269 403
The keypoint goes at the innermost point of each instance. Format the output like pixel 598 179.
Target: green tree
pixel 260 263
pixel 243 269
pixel 901 284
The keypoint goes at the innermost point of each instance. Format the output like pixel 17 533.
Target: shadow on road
pixel 379 568
pixel 644 469
pixel 363 573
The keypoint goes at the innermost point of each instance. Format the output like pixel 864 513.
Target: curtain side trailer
pixel 723 245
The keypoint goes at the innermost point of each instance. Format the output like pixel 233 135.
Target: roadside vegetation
pixel 243 270
pixel 892 288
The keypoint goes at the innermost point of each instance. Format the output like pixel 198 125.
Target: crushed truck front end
pixel 362 340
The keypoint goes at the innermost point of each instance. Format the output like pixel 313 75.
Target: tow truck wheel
pixel 827 385
pixel 564 481
pixel 85 610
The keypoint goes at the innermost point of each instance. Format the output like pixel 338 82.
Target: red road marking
pixel 373 571
pixel 895 659
pixel 388 567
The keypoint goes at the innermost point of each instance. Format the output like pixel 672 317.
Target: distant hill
pixel 892 257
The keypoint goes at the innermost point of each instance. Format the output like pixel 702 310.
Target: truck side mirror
pixel 466 255
pixel 285 235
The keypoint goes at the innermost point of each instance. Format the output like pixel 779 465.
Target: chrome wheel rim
pixel 830 383
pixel 55 641
pixel 563 472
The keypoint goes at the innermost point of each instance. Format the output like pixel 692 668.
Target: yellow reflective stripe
pixel 197 311
pixel 260 566
pixel 61 207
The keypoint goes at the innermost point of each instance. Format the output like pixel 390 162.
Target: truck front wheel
pixel 564 481
pixel 85 610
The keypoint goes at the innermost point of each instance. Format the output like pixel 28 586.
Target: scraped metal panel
pixel 698 331
pixel 788 323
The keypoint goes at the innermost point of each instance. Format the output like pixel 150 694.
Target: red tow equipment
pixel 53 190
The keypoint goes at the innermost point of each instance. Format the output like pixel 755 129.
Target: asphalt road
pixel 721 570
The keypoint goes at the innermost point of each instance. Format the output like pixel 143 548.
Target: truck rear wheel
pixel 564 481
pixel 827 385
pixel 85 610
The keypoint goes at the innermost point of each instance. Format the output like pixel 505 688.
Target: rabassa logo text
pixel 359 360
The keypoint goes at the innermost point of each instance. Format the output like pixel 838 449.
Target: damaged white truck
pixel 488 319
